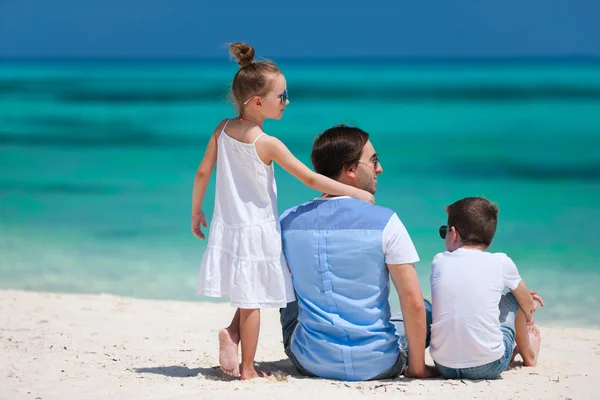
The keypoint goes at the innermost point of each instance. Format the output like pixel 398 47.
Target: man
pixel 341 252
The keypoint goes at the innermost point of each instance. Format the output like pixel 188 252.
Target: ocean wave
pixel 499 169
pixel 58 188
pixel 66 91
pixel 349 93
pixel 116 139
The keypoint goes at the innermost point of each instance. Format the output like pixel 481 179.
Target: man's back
pixel 337 250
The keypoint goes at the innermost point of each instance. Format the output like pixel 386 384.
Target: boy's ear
pixel 455 235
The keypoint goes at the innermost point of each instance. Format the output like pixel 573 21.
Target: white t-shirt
pixel 466 287
pixel 397 244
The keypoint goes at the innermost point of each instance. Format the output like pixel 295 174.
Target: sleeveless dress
pixel 244 259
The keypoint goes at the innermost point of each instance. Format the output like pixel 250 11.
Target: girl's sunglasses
pixel 283 96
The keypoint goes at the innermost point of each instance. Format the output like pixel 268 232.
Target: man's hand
pixel 424 372
pixel 198 219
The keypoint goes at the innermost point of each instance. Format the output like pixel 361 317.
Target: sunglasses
pixel 283 96
pixel 444 231
pixel 374 160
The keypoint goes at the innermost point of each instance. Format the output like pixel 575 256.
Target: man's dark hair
pixel 337 148
pixel 475 219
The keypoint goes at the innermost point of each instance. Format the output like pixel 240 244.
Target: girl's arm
pixel 203 174
pixel 274 150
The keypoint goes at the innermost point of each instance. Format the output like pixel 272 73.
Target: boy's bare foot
pixel 535 341
pixel 515 352
pixel 228 352
pixel 251 373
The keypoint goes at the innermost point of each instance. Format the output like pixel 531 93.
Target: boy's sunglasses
pixel 444 231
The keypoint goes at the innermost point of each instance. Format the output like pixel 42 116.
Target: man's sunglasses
pixel 374 160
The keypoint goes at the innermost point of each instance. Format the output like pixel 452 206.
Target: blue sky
pixel 283 28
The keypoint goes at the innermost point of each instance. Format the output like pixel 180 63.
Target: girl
pixel 243 259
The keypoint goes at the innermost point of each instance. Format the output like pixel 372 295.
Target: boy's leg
pixel 508 307
pixel 528 340
pixel 229 338
pixel 249 330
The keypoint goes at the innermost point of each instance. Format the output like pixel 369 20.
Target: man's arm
pixel 406 282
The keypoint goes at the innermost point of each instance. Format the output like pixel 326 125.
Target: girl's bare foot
pixel 228 352
pixel 251 373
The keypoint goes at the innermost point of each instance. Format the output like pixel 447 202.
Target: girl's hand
pixel 198 219
pixel 365 196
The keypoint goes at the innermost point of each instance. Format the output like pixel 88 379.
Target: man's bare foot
pixel 251 373
pixel 228 352
pixel 535 341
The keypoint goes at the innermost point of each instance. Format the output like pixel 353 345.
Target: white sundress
pixel 244 259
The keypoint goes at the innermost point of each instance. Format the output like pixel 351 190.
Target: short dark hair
pixel 338 147
pixel 475 219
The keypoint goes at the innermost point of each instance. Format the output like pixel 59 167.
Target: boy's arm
pixel 513 280
pixel 525 300
pixel 406 282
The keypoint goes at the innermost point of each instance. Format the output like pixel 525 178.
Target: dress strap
pixel 258 137
pixel 226 122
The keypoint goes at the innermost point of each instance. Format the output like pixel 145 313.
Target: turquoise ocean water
pixel 97 161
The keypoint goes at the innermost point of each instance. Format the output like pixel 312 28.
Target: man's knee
pixel 508 307
pixel 509 302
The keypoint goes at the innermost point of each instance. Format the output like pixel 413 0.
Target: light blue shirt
pixel 337 251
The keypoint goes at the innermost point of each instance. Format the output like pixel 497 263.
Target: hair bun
pixel 244 53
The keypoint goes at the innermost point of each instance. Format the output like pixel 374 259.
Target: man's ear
pixel 350 172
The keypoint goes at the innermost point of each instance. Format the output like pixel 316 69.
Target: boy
pixel 475 325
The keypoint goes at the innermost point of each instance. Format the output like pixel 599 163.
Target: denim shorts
pixel 508 308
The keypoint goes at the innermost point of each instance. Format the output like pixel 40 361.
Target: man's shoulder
pixel 298 210
pixel 348 208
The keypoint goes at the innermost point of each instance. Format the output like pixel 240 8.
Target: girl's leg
pixel 229 338
pixel 249 330
pixel 528 340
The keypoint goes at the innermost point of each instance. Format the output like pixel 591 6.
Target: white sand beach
pixel 71 346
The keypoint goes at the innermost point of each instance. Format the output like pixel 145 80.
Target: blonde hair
pixel 253 77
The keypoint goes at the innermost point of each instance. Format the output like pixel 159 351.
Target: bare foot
pixel 228 352
pixel 535 341
pixel 515 352
pixel 252 373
